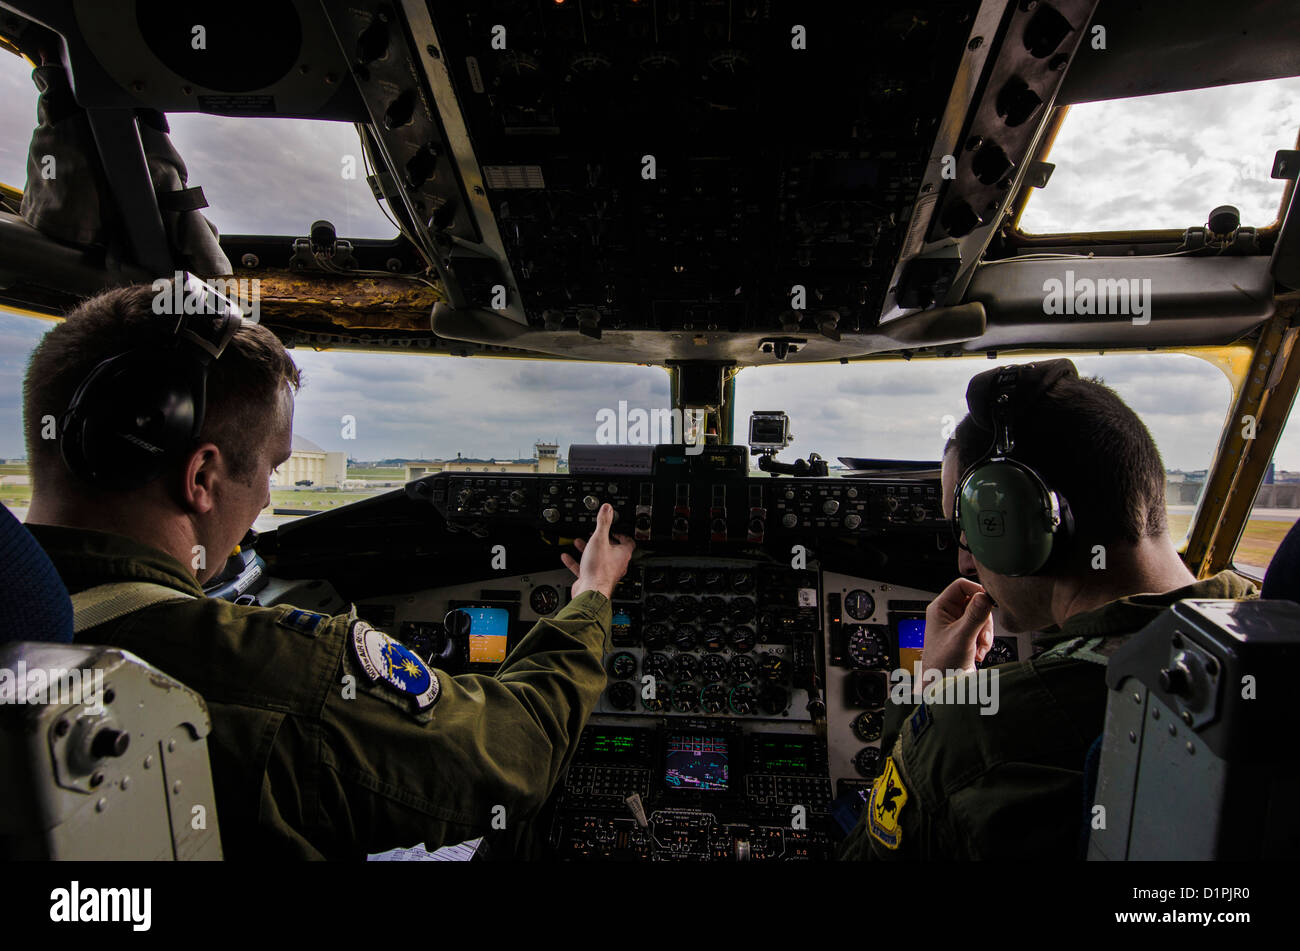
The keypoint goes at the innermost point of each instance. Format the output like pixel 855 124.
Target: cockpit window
pixel 907 410
pixel 276 176
pixel 366 423
pixel 17 117
pixel 1163 162
pixel 1277 505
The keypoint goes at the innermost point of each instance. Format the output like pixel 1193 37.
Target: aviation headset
pixel 139 412
pixel 1012 520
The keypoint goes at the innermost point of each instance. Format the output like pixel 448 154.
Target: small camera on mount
pixel 769 432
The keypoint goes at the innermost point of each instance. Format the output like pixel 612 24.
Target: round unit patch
pixel 383 658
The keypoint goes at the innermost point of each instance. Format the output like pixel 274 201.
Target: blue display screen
pixel 911 633
pixel 696 762
pixel 488 631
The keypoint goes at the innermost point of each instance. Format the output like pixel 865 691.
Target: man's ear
pixel 204 468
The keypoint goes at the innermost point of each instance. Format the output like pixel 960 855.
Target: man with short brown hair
pixel 301 767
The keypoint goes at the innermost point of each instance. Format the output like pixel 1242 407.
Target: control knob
pixel 830 506
pixel 551 515
pixel 852 520
pixel 591 502
pixel 789 520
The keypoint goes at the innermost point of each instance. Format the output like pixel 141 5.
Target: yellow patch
pixel 888 796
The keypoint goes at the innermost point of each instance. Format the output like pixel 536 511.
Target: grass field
pixel 287 498
pixel 376 472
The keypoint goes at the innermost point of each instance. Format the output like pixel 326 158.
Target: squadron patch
pixel 384 659
pixel 304 621
pixel 888 796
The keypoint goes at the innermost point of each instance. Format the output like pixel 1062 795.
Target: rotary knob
pixel 591 502
pixel 852 520
pixel 551 515
pixel 789 520
pixel 517 497
pixel 830 506
pixel 491 505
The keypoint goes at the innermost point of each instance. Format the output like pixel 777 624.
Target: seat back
pixel 101 757
pixel 1196 755
pixel 34 604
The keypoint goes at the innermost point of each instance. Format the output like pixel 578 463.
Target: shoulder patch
pixel 304 621
pixel 888 796
pixel 385 659
pixel 919 721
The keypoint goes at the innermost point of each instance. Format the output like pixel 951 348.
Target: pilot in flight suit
pixel 303 766
pixel 961 785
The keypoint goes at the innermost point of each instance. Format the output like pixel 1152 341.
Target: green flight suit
pixel 302 766
pixel 958 784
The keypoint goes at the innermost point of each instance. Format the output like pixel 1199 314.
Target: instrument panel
pixel 743 698
pixel 696 506
pixel 746 680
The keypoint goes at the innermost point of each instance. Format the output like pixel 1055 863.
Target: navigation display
pixel 488 631
pixel 779 754
pixel 696 762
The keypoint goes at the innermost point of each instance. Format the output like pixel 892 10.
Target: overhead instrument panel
pixel 680 166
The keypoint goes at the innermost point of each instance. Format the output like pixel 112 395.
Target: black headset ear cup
pixel 131 418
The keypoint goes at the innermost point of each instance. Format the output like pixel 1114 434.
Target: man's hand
pixel 958 627
pixel 603 562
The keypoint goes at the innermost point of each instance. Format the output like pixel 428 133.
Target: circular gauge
pixel 715 579
pixel 742 610
pixel 656 579
pixel 867 649
pixel 743 668
pixel 685 699
pixel 771 668
pixel 655 636
pixel 684 579
pixel 1002 652
pixel 859 605
pixel 621 695
pixel 742 639
pixel 685 667
pixel 773 700
pixel 715 638
pixel 868 725
pixel 744 700
pixel 867 762
pixel 590 66
pixel 713 610
pixel 657 666
pixel 684 637
pixel 686 608
pixel 657 607
pixel 713 668
pixel 544 599
pixel 654 704
pixel 713 698
pixel 622 665
pixel 742 581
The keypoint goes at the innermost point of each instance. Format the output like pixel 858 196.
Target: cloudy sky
pixel 1158 163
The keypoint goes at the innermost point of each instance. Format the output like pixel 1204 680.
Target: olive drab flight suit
pixel 957 784
pixel 305 768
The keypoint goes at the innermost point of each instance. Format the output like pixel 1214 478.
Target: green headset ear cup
pixel 1002 509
